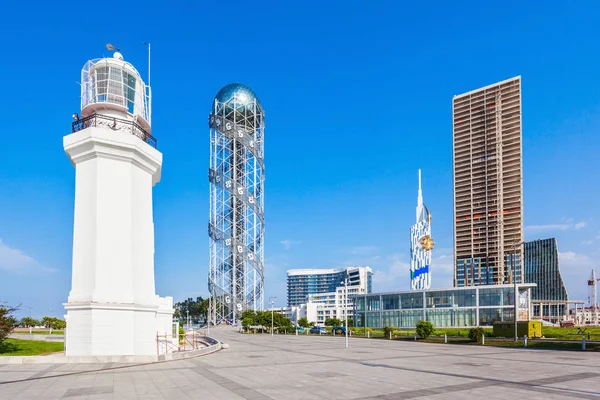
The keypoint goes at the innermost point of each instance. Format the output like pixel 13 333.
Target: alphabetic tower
pixel 236 226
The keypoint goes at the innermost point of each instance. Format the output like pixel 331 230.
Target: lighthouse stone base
pixel 113 309
pixel 109 329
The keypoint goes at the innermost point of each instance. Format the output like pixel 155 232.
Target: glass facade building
pixel 301 283
pixel 549 298
pixel 456 307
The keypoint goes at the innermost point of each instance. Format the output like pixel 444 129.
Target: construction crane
pixel 592 284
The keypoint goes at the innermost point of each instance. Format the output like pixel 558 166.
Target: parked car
pixel 300 329
pixel 318 330
pixel 338 330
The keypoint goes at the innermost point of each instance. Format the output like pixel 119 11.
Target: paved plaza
pixel 262 367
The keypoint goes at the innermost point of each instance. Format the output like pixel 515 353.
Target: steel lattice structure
pixel 236 226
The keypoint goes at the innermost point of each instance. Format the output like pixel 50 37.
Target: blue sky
pixel 357 97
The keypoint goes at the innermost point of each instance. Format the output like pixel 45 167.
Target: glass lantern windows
pixel 129 91
pixel 114 85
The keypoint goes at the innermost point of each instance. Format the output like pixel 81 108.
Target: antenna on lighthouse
pixel 148 44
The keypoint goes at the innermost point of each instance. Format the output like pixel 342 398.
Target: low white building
pixel 294 313
pixel 323 306
pixel 338 304
pixel 586 316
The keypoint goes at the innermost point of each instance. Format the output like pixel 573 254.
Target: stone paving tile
pixel 590 385
pixel 89 390
pixel 100 397
pixel 260 367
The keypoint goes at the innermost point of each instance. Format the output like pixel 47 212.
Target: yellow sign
pixel 427 243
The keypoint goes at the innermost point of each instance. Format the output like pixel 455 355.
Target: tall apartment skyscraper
pixel 302 283
pixel 488 196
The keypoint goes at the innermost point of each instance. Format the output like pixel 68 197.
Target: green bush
pixel 303 322
pixel 247 321
pixel 453 332
pixel 424 329
pixel 387 330
pixel 7 321
pixel 475 334
pixel 181 335
pixel 333 322
pixel 361 331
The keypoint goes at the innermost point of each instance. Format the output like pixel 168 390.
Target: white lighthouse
pixel 113 309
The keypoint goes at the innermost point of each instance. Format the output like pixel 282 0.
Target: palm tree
pixel 29 322
pixel 47 322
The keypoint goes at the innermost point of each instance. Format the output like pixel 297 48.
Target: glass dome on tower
pixel 242 93
pixel 241 99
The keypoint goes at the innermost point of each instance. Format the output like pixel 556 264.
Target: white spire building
pixel 421 245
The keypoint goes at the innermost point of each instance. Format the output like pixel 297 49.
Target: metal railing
pixel 117 124
pixel 189 341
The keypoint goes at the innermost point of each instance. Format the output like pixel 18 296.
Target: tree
pixel 7 321
pixel 28 322
pixel 204 310
pixel 350 323
pixel 53 323
pixel 47 322
pixel 250 314
pixel 196 309
pixel 303 322
pixel 333 322
pixel 246 322
pixel 424 329
pixel 58 324
pixel 264 318
pixel 248 318
pixel 282 322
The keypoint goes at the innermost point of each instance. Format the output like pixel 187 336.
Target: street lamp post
pixel 30 327
pixel 209 316
pixel 272 302
pixel 514 273
pixel 345 305
pixel 365 320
